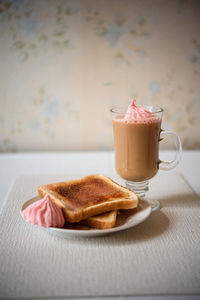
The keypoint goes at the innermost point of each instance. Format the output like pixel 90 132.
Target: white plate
pixel 140 214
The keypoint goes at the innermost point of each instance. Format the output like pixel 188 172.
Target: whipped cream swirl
pixel 44 213
pixel 135 112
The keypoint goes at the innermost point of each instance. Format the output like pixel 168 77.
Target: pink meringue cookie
pixel 44 213
pixel 137 113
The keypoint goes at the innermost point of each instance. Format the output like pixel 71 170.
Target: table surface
pixel 84 163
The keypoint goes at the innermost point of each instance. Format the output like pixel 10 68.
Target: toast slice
pixel 103 221
pixel 89 196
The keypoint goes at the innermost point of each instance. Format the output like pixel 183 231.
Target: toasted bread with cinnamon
pixel 89 196
pixel 103 221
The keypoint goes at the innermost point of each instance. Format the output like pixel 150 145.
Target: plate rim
pixel 90 232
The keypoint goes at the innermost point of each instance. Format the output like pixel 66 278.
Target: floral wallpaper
pixel 65 63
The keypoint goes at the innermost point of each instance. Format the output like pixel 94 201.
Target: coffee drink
pixel 137 132
pixel 136 148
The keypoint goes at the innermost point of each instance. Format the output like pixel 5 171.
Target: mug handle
pixel 164 165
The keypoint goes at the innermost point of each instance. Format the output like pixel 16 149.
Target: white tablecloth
pixel 159 256
pixel 73 163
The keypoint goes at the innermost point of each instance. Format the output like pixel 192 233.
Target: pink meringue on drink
pixel 44 213
pixel 135 113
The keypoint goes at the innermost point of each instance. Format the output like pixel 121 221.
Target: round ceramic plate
pixel 125 219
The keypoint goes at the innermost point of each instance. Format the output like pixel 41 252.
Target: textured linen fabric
pixel 158 256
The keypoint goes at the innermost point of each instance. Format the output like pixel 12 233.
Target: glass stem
pixel 140 188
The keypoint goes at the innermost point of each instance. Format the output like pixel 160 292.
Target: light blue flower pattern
pixel 114 33
pixel 51 110
pixel 35 31
pixel 19 4
pixel 29 26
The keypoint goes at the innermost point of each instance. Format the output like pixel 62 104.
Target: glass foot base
pixel 155 205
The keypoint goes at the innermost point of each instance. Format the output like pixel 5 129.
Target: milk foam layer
pixel 44 213
pixel 137 114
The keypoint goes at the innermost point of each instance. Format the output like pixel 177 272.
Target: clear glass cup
pixel 137 149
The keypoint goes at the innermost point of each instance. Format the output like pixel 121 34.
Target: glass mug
pixel 137 149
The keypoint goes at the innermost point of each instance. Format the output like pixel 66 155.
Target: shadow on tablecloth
pixel 154 226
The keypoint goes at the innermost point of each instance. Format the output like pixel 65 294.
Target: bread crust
pixel 103 221
pixel 119 197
